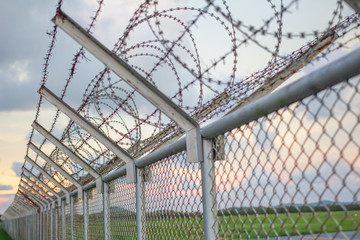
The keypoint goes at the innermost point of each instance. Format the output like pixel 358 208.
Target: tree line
pixel 287 209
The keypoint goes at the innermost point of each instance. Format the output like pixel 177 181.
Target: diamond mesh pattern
pixel 173 199
pixel 44 223
pixel 122 209
pixel 95 215
pixel 48 224
pixel 78 219
pixel 59 222
pixel 68 221
pixel 295 171
pixel 55 223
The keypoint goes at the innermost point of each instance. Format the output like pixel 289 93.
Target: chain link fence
pixel 291 173
pixel 279 161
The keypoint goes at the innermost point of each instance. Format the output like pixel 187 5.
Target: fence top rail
pixel 327 76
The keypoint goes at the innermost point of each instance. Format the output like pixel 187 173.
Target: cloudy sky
pixel 23 45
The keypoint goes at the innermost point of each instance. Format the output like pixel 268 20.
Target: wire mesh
pixel 67 221
pixel 48 224
pixel 294 172
pixel 60 228
pixel 55 223
pixel 78 219
pixel 173 199
pixel 95 215
pixel 122 209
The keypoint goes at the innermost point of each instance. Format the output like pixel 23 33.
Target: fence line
pixel 97 207
pixel 281 164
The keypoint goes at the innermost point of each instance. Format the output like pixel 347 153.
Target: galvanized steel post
pixel 72 216
pixel 106 206
pixel 85 212
pixel 56 220
pixel 52 221
pixel 209 191
pixel 140 208
pixel 63 223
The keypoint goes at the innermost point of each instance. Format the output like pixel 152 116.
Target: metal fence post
pixel 209 191
pixel 28 225
pixel 56 220
pixel 48 225
pixel 140 227
pixel 48 221
pixel 106 206
pixel 85 211
pixel 41 223
pixel 72 216
pixel 63 223
pixel 52 220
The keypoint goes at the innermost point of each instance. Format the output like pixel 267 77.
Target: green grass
pixel 3 234
pixel 288 224
pixel 234 227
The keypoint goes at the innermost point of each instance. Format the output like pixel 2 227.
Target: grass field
pixel 288 224
pixel 4 235
pixel 233 227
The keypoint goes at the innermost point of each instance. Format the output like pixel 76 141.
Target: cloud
pixel 5 187
pixel 22 53
pixel 16 167
pixel 5 201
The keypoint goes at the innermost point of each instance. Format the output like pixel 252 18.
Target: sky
pixel 22 47
pixel 24 42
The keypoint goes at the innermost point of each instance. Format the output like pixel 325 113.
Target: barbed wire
pixel 109 104
pixel 163 130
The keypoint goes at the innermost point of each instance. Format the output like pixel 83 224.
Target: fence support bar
pixel 75 158
pixel 32 196
pixel 56 166
pixel 39 181
pixel 48 176
pixel 37 187
pixel 36 193
pixel 137 81
pixel 91 129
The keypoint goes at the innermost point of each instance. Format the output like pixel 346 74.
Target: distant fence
pixel 282 163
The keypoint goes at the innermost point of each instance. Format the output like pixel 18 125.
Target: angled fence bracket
pixel 42 183
pixel 48 176
pixel 37 190
pixel 58 168
pixel 74 157
pixel 36 193
pixel 33 197
pixel 137 81
pixel 94 131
